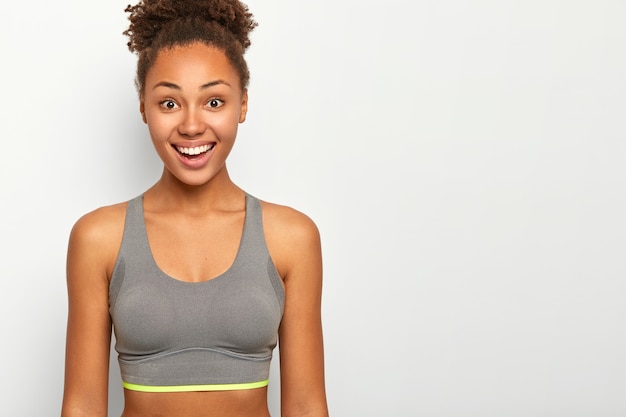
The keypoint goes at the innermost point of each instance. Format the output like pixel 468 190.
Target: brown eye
pixel 214 103
pixel 169 104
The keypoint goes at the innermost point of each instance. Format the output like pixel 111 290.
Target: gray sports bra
pixel 173 335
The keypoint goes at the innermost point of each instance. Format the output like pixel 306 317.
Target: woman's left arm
pixel 299 261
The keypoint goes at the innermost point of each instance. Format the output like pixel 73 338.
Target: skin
pixel 192 97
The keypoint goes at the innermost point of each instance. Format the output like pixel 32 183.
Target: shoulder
pixel 96 236
pixel 292 237
pixel 288 223
pixel 99 222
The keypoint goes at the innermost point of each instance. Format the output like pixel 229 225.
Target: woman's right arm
pixel 90 258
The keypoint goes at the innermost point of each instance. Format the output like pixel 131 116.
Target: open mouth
pixel 195 152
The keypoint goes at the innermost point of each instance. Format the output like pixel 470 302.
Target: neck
pixel 170 194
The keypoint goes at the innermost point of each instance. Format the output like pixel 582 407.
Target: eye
pixel 169 104
pixel 215 103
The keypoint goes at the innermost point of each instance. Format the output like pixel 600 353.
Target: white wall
pixel 464 160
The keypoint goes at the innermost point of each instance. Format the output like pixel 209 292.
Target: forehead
pixel 191 66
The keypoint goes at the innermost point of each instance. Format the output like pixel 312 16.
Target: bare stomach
pixel 241 403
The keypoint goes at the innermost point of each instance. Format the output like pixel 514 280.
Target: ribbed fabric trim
pixel 190 388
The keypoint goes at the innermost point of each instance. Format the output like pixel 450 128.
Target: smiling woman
pixel 198 279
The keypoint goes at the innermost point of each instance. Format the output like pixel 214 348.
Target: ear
pixel 142 110
pixel 244 106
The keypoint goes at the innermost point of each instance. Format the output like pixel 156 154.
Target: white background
pixel 464 161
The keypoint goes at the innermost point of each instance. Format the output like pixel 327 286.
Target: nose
pixel 192 123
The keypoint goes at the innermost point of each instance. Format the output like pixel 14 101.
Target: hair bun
pixel 148 17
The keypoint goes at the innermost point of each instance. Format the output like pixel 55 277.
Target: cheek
pixel 160 127
pixel 224 125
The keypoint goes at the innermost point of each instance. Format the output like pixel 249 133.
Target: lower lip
pixel 198 161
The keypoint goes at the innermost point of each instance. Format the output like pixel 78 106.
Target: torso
pixel 182 255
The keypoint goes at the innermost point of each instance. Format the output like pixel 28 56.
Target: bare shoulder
pixel 292 237
pixel 99 224
pixel 96 236
pixel 288 223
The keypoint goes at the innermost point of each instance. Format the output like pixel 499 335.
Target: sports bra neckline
pixel 165 276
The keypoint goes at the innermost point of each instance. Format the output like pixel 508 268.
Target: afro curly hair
pixel 161 24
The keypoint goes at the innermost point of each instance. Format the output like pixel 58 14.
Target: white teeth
pixel 196 150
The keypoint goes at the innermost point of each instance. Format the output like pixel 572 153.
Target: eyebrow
pixel 202 87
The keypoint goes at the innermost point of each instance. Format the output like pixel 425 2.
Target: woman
pixel 198 279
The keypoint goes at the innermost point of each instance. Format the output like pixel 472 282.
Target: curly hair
pixel 161 24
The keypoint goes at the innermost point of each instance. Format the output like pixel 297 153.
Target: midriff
pixel 239 403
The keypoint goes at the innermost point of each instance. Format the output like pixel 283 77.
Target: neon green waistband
pixel 201 387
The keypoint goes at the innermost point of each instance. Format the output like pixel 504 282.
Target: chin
pixel 195 181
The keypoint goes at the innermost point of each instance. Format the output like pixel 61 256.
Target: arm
pixel 299 262
pixel 89 325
